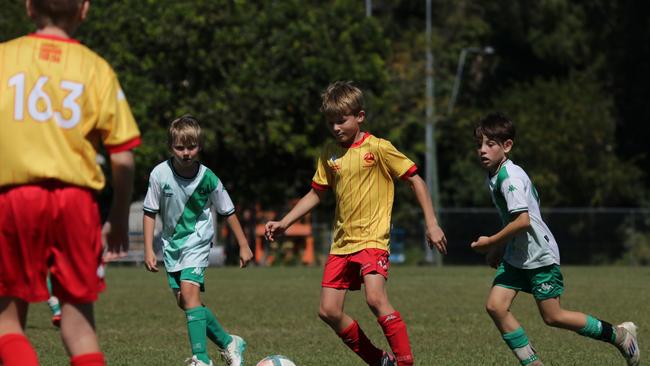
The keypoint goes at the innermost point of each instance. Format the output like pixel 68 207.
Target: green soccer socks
pixel 53 302
pixel 520 346
pixel 216 333
pixel 196 329
pixel 598 329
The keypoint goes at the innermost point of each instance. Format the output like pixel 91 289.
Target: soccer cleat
pixel 233 355
pixel 56 320
pixel 387 360
pixel 628 345
pixel 196 362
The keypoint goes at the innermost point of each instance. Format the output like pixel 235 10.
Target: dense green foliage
pixel 569 73
pixel 275 309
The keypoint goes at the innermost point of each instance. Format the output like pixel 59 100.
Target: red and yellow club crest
pixel 369 159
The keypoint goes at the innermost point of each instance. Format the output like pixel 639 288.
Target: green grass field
pixel 275 310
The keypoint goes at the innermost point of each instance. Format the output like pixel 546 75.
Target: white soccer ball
pixel 276 360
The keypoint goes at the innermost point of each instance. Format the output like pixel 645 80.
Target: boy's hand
pixel 150 261
pixel 271 228
pixel 493 257
pixel 115 236
pixel 482 244
pixel 245 255
pixel 436 237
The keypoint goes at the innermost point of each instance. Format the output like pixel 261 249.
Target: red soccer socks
pixel 15 350
pixel 395 331
pixel 88 359
pixel 356 340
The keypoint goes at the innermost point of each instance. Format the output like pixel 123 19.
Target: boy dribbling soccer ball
pixel 360 168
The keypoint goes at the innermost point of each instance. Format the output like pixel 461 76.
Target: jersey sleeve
pixel 322 178
pixel 513 191
pixel 152 199
pixel 397 163
pixel 221 200
pixel 115 121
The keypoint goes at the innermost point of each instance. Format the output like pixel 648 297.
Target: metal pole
pixel 368 8
pixel 431 159
pixel 459 75
pixel 488 50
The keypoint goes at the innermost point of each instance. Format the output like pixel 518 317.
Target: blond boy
pixel 360 169
pixel 183 191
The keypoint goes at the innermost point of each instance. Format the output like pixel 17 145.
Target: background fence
pixel 584 235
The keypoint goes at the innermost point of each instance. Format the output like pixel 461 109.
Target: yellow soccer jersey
pixel 59 101
pixel 362 179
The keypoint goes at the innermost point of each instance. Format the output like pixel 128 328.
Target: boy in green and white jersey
pixel 531 262
pixel 182 191
pixel 513 193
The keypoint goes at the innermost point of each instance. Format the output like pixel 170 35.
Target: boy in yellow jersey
pixel 59 102
pixel 360 169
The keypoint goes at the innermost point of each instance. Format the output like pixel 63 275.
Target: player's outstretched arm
pixel 116 228
pixel 245 253
pixel 148 225
pixel 485 243
pixel 306 204
pixel 435 235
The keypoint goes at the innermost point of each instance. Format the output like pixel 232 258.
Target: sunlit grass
pixel 275 310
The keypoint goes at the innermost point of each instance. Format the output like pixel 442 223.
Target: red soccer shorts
pixel 347 271
pixel 50 227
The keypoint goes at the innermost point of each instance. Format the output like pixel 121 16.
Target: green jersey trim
pixel 193 209
pixel 501 203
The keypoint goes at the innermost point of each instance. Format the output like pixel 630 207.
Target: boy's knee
pixel 495 310
pixel 329 315
pixel 552 320
pixel 376 302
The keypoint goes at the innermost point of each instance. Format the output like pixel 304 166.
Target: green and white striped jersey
pixel 513 192
pixel 184 208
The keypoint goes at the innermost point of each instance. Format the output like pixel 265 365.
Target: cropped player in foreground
pixel 360 169
pixel 59 101
pixel 183 191
pixel 526 255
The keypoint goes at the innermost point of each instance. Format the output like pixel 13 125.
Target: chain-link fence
pixel 584 235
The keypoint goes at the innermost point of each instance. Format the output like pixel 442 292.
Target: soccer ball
pixel 276 360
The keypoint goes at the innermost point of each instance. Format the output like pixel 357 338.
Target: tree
pixel 252 73
pixel 565 141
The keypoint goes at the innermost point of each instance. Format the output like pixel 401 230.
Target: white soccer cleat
pixel 196 362
pixel 233 355
pixel 629 346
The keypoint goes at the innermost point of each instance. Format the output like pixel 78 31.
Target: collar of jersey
pixel 171 165
pixel 493 179
pixel 360 142
pixel 53 37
